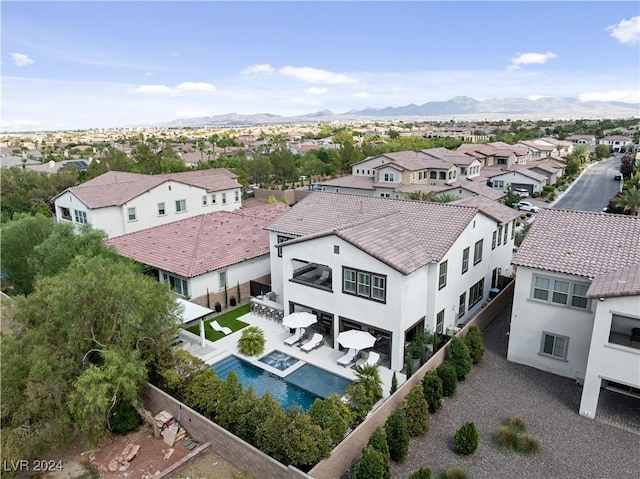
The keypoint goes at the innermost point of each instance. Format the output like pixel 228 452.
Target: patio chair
pixel 348 358
pixel 315 342
pixel 295 338
pixel 373 359
pixel 323 277
pixel 221 329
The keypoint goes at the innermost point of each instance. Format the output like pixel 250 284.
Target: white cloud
pixel 316 91
pixel 314 75
pixel 192 114
pixel 529 58
pixel 21 60
pixel 535 97
pixel 196 86
pixel 361 94
pixel 184 87
pixel 627 31
pixel 264 69
pixel 629 96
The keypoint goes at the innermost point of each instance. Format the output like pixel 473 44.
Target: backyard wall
pixel 291 196
pixel 345 454
pixel 233 449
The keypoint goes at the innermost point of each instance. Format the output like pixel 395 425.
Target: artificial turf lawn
pixel 228 319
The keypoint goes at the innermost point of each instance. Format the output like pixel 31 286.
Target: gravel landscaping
pixel 571 446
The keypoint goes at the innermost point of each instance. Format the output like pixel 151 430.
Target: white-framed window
pixel 440 322
pixel 465 260
pixel 554 345
pixel 442 275
pixel 477 252
pixel 493 240
pixel 462 304
pixel 476 293
pixel 224 198
pixel 161 209
pixel 222 278
pixel 80 216
pixel 65 213
pixel 205 201
pixel 364 284
pixel 499 235
pixel 131 214
pixel 213 199
pixel 181 205
pixel 513 229
pixel 385 195
pixel 560 291
pixel 433 175
pixel 179 285
pixel 506 233
pixel 498 184
pixel 390 177
pixel 236 197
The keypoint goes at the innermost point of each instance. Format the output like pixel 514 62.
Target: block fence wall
pixel 345 454
pixel 290 196
pixel 233 449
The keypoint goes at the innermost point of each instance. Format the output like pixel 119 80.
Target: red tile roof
pixel 581 243
pixel 622 282
pixel 203 243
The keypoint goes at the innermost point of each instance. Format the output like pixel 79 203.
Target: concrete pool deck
pixel 323 357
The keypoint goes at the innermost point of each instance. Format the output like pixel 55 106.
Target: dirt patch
pixel 209 465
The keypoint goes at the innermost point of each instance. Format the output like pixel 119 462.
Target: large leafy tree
pixel 283 165
pixel 83 341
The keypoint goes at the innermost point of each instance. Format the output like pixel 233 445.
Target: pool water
pixel 306 384
pixel 279 360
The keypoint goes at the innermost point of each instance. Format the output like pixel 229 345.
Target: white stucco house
pixel 389 267
pixel 205 253
pixel 576 305
pixel 616 142
pixel 121 203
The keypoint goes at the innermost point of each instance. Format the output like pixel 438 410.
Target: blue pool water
pixel 279 360
pixel 303 388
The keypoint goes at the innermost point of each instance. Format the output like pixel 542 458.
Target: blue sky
pixel 97 64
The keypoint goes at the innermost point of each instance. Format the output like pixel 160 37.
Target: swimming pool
pixel 301 387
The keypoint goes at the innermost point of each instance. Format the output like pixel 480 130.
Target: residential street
pixel 591 192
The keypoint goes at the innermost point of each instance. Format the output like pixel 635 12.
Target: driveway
pixel 571 446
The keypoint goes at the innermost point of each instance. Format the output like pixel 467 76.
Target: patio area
pixel 275 333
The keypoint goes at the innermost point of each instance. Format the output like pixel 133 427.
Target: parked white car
pixel 526 206
pixel 521 192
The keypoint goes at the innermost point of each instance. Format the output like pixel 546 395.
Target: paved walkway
pixel 571 446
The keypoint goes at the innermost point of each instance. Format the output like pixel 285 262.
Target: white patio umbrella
pixel 354 339
pixel 300 319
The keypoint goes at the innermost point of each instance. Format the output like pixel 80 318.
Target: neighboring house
pixel 390 267
pixel 205 253
pixel 19 161
pixel 576 305
pixel 121 203
pixel 582 139
pixel 616 143
pixel 56 166
pixel 539 150
pixel 500 179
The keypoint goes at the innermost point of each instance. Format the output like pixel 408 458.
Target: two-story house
pixel 616 143
pixel 121 203
pixel 576 305
pixel 389 267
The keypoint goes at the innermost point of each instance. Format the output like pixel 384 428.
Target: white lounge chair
pixel 315 341
pixel 295 338
pixel 373 359
pixel 347 358
pixel 221 329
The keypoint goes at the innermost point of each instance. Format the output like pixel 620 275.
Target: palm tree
pixel 369 377
pixel 629 201
pixel 445 198
pixel 420 195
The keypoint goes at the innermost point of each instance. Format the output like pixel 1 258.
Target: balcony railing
pixel 314 275
pixel 622 339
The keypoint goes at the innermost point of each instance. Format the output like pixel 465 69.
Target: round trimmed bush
pixel 447 373
pixel 421 473
pixel 371 465
pixel 125 419
pixel 527 444
pixel 416 411
pixel 466 439
pixel 397 435
pixel 432 390
pixel 455 473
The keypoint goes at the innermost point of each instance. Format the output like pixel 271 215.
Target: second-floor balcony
pixel 312 274
pixel 625 331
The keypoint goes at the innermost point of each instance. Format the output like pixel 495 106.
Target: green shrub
pixel 125 419
pixel 432 390
pixel 466 439
pixel 455 473
pixel 515 423
pixel 422 473
pixel 505 437
pixel 394 384
pixel 473 340
pixel 397 435
pixel 459 357
pixel 447 373
pixel 378 441
pixel 549 188
pixel 416 411
pixel 527 444
pixel 408 366
pixel 252 341
pixel 371 465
